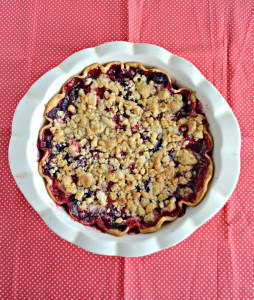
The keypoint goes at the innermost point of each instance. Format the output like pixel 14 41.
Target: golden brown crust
pixel 201 193
pixel 186 158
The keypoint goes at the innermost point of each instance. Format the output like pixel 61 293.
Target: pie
pixel 125 149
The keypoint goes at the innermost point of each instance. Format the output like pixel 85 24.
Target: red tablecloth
pixel 216 262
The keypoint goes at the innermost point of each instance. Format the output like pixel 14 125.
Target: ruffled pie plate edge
pixel 28 119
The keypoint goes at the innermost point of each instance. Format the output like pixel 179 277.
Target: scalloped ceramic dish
pixel 28 120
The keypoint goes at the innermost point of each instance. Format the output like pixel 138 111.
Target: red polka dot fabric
pixel 216 262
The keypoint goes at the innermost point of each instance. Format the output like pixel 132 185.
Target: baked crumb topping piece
pixel 125 149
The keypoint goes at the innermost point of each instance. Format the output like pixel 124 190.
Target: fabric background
pixel 216 262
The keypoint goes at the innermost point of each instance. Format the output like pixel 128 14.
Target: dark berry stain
pixel 157 146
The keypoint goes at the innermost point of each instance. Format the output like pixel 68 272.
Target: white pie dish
pixel 28 119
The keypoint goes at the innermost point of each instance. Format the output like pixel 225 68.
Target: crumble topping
pixel 122 146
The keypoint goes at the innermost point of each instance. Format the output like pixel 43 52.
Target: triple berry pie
pixel 125 149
